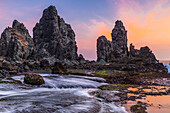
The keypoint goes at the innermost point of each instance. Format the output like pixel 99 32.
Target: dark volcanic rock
pixel 104 49
pixel 119 40
pixel 144 53
pixel 16 44
pixel 58 68
pixel 115 49
pixel 33 79
pixel 53 37
pixel 44 64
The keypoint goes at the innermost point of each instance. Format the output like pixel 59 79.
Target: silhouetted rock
pixel 58 68
pixel 16 44
pixel 119 40
pixel 144 53
pixel 115 49
pixel 104 49
pixel 34 79
pixel 54 38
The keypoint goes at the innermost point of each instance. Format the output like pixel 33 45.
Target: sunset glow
pixel 147 22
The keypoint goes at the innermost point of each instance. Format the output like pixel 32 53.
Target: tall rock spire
pixel 53 37
pixel 119 40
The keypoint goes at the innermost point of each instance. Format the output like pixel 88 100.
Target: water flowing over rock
pixel 16 44
pixel 54 38
pixel 117 48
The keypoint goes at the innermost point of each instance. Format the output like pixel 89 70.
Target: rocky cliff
pixel 16 44
pixel 53 38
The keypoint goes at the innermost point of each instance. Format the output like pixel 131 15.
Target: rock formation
pixel 104 49
pixel 144 53
pixel 54 38
pixel 16 44
pixel 119 40
pixel 115 49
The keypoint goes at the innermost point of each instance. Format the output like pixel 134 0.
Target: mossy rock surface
pixel 34 79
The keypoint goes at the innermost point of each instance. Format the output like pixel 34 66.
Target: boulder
pixel 58 68
pixel 16 44
pixel 34 79
pixel 44 63
pixel 6 65
pixel 53 37
pixel 14 72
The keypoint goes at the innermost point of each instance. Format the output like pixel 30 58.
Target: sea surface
pixel 167 66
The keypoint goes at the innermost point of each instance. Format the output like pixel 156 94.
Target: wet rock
pixel 34 79
pixel 53 37
pixel 26 68
pixel 14 72
pixel 132 98
pixel 58 68
pixel 16 44
pixel 6 65
pixel 4 73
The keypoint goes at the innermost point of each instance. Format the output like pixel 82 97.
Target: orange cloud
pixel 147 25
pixel 87 34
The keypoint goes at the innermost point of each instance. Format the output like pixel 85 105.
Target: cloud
pixel 87 34
pixel 147 24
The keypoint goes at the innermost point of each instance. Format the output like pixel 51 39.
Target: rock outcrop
pixel 115 49
pixel 119 40
pixel 54 38
pixel 104 49
pixel 144 53
pixel 16 44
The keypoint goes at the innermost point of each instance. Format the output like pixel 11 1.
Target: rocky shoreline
pixel 53 49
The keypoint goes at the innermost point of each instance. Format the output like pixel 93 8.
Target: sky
pixel 147 21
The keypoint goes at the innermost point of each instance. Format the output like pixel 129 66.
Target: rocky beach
pixel 45 73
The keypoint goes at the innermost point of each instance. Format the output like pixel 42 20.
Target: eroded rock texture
pixel 144 53
pixel 53 37
pixel 16 44
pixel 104 49
pixel 119 40
pixel 115 49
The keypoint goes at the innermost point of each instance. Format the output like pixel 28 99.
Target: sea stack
pixel 16 44
pixel 53 38
pixel 115 49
